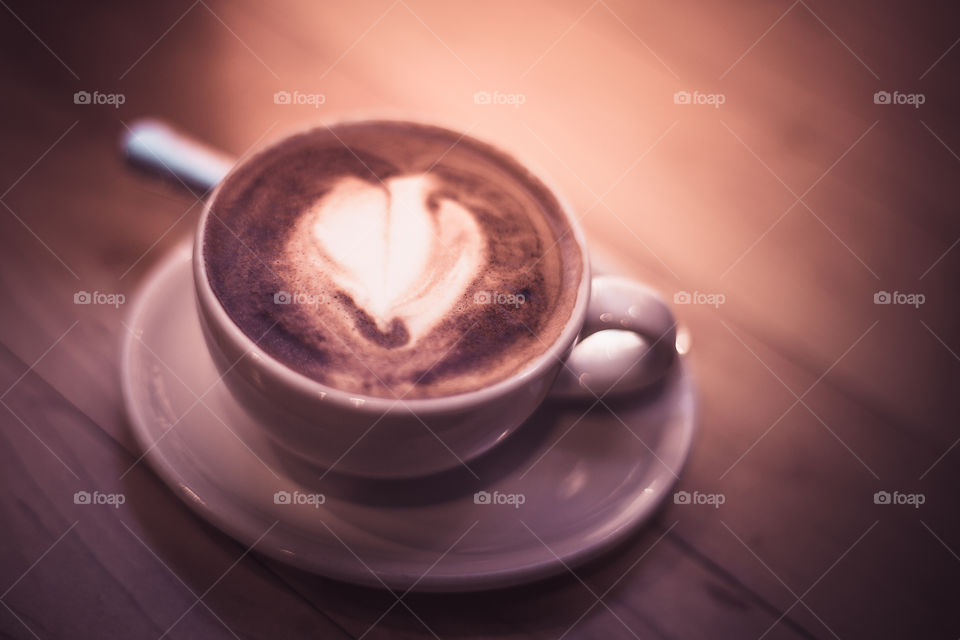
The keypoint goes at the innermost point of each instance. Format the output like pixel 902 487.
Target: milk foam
pixel 384 247
pixel 393 243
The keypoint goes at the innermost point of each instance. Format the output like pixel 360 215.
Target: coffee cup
pixel 295 376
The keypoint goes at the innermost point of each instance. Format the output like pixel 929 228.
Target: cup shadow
pixel 461 480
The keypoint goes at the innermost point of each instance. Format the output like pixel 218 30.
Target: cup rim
pixel 358 402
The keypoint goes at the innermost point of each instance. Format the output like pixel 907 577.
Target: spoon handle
pixel 157 147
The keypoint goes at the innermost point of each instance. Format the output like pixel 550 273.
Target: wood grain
pixel 687 198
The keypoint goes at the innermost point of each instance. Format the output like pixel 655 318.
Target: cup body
pixel 372 436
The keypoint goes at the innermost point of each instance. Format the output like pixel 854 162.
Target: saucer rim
pixel 238 524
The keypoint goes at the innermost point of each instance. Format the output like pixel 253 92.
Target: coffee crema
pixel 392 259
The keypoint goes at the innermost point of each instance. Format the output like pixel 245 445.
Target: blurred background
pixel 786 173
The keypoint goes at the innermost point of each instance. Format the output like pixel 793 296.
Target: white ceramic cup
pixel 390 438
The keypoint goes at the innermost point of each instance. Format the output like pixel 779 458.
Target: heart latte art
pixel 405 266
pixel 392 259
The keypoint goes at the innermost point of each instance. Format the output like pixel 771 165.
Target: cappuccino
pixel 392 259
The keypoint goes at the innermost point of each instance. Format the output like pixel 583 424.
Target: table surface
pixel 797 198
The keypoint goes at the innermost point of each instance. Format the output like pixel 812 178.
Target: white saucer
pixel 588 481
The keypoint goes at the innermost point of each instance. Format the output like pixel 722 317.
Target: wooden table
pixel 798 199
